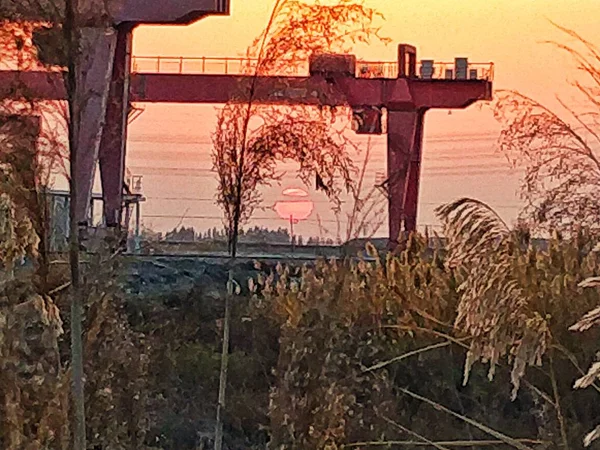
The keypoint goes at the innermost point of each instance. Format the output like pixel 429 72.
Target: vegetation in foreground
pixel 473 338
pixel 335 355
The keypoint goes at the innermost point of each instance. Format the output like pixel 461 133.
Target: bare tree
pixel 66 18
pixel 368 211
pixel 35 131
pixel 251 139
pixel 289 138
pixel 559 150
pixel 367 207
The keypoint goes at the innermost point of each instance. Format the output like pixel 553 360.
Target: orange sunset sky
pixel 507 32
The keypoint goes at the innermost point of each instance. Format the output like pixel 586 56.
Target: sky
pixel 510 33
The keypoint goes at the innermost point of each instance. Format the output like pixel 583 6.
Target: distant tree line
pixel 254 235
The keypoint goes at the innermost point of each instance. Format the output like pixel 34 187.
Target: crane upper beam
pixel 395 94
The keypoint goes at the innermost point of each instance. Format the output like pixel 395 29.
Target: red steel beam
pixel 112 149
pixel 401 94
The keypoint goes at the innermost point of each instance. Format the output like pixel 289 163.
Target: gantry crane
pixel 403 94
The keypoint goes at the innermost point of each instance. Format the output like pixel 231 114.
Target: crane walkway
pixel 247 66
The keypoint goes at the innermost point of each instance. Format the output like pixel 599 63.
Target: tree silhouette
pixel 559 150
pixel 44 33
pixel 250 139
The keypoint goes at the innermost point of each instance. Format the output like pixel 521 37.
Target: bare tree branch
pixel 251 140
pixel 558 154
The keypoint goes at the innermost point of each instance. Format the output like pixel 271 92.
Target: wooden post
pixel 224 364
pixel 137 225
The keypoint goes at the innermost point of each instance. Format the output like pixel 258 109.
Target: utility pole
pixel 292 232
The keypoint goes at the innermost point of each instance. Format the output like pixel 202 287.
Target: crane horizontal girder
pixel 395 94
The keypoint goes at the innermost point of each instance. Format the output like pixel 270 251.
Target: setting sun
pixel 295 205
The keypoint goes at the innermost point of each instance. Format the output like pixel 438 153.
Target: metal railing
pixel 246 66
pixel 206 66
pixel 367 69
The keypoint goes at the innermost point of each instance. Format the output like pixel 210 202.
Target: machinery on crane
pixel 403 95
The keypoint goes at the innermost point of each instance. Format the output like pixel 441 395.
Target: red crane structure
pixel 403 91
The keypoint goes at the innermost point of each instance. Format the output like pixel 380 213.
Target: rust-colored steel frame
pixel 406 98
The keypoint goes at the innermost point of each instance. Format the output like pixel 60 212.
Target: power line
pixel 446 170
pixel 205 217
pixel 255 218
pixel 208 200
pixel 431 173
pixel 214 201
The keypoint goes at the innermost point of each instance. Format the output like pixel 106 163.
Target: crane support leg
pixel 411 200
pixel 94 68
pixel 405 136
pixel 114 136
